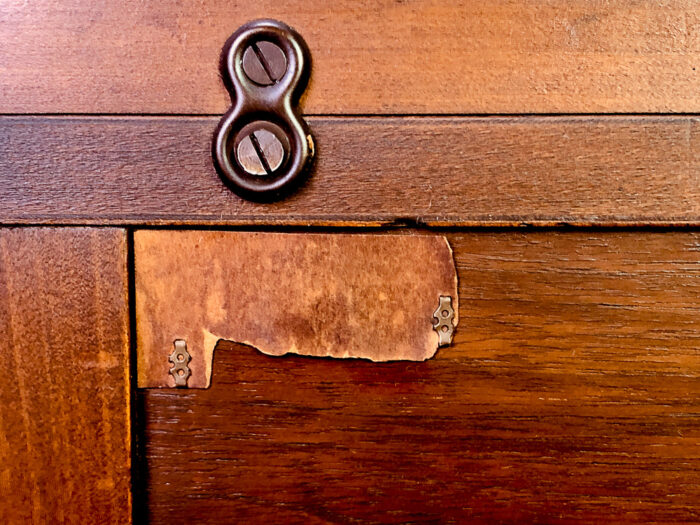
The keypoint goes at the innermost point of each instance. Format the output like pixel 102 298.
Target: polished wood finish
pixel 369 56
pixel 323 295
pixel 64 399
pixel 572 393
pixel 369 171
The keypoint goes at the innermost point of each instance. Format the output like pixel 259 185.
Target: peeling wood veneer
pixel 326 295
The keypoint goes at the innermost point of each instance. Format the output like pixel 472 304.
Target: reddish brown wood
pixel 64 398
pixel 572 393
pixel 369 56
pixel 369 171
pixel 572 390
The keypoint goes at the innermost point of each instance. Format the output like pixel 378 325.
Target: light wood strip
pixel 369 56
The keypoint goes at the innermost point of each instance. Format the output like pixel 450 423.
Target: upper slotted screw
pixel 264 63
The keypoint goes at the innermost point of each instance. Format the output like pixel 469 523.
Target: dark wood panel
pixel 369 56
pixel 440 171
pixel 64 423
pixel 572 393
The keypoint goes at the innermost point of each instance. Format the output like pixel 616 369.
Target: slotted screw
pixel 264 63
pixel 260 152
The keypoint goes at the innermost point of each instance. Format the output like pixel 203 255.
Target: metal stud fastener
pixel 444 320
pixel 180 358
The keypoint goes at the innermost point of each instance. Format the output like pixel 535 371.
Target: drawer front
pixel 570 393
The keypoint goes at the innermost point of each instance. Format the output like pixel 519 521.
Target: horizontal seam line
pixel 360 115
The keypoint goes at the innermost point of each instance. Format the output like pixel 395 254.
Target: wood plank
pixel 324 295
pixel 369 171
pixel 64 423
pixel 369 56
pixel 571 393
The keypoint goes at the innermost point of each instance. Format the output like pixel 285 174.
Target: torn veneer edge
pixel 376 297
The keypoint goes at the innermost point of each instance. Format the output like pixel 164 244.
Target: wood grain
pixel 324 295
pixel 369 171
pixel 369 56
pixel 65 422
pixel 571 394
